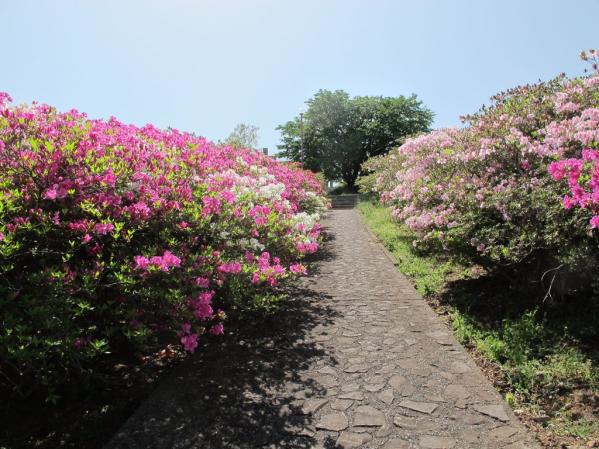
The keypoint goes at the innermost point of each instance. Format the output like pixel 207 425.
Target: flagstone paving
pixel 355 359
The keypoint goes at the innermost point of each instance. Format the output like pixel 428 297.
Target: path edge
pixel 395 262
pixel 379 242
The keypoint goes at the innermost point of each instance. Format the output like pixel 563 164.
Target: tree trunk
pixel 350 176
pixel 350 181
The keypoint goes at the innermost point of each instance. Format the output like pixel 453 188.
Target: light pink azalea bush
pixel 112 235
pixel 517 188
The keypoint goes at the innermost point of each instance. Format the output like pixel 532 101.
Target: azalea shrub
pixel 516 189
pixel 113 236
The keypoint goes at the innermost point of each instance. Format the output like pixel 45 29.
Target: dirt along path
pixel 355 359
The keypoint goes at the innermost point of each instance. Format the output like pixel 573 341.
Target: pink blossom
pixel 589 154
pixel 307 247
pixel 157 262
pixel 228 196
pixel 109 178
pixel 103 228
pixel 139 211
pixel 205 297
pixel 170 259
pixel 150 182
pixel 200 306
pixel 217 329
pixel 55 192
pixel 202 282
pixel 230 267
pixel 79 225
pixel 4 98
pixel 298 268
pixel 211 206
pixel 190 342
pixel 141 262
pixel 202 311
pixel 278 270
pixel 50 194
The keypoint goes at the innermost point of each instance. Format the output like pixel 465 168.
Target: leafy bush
pixel 516 189
pixel 112 236
pixel 527 351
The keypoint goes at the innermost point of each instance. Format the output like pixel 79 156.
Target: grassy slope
pixel 540 370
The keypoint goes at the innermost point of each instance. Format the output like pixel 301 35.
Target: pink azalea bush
pixel 112 235
pixel 516 188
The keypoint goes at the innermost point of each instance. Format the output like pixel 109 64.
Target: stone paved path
pixel 356 359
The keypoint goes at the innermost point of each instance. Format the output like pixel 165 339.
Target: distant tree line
pixel 337 133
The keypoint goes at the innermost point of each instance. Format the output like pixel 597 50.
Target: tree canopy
pixel 338 133
pixel 243 136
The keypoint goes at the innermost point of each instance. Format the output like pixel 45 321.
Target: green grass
pixel 538 357
pixel 536 361
pixel 565 425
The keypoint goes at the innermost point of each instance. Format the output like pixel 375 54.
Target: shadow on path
pixel 354 358
pixel 244 390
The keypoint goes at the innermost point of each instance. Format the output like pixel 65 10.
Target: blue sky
pixel 206 65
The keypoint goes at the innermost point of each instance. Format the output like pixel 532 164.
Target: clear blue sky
pixel 206 65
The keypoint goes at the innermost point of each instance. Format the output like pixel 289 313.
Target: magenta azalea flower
pixel 190 342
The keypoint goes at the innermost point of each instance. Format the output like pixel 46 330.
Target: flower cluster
pixel 488 190
pixel 163 263
pixel 112 233
pixel 578 138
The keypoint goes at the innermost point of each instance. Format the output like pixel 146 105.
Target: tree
pixel 338 133
pixel 243 136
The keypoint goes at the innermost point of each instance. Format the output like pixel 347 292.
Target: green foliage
pixel 564 424
pixel 525 348
pixel 338 133
pixel 569 367
pixel 115 240
pixel 366 183
pixel 487 192
pixel 340 189
pixel 243 136
pixel 322 180
pixel 510 399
